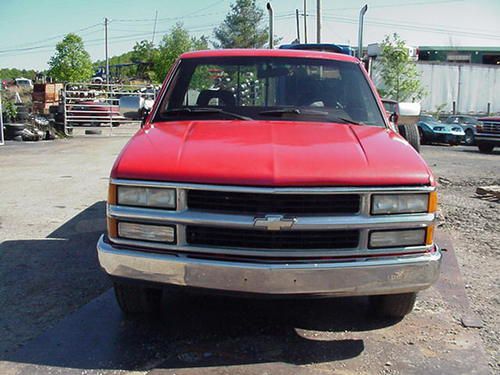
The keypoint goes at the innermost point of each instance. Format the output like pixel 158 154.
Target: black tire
pixel 393 305
pixel 22 116
pixel 115 124
pixel 485 148
pixel 93 131
pixel 59 117
pixel 469 138
pixel 137 300
pixel 410 133
pixel 421 134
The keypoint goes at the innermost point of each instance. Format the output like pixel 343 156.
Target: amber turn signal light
pixel 112 194
pixel 429 236
pixel 433 202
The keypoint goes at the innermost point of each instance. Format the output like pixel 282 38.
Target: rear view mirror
pixel 393 117
pixel 132 107
pixel 271 72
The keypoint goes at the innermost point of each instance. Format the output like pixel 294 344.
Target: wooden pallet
pixel 489 191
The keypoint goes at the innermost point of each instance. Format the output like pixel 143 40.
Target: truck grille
pixel 258 203
pixel 491 127
pixel 262 239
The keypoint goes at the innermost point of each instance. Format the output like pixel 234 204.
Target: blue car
pixel 434 131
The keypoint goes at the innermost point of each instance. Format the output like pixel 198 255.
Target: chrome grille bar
pixel 183 216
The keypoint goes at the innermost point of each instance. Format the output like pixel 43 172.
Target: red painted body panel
pixel 271 153
pixel 269 53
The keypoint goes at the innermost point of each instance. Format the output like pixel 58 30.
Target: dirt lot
pixel 474 225
pixel 51 213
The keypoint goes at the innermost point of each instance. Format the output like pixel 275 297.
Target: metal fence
pixel 456 88
pixel 89 105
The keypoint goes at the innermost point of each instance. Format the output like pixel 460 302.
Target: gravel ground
pixel 473 223
pixel 51 215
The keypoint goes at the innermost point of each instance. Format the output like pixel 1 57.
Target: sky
pixel 30 29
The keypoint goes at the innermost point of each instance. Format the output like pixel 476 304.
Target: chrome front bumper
pixel 350 278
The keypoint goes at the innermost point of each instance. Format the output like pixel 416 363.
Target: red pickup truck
pixel 269 172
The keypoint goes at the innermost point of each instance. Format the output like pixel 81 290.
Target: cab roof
pixel 269 53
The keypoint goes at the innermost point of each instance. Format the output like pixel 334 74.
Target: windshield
pixel 428 118
pixel 291 89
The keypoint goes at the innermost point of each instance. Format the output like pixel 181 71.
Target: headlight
pixel 397 238
pixel 399 204
pixel 146 197
pixel 147 232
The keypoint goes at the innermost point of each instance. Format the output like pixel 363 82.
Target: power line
pixel 400 4
pixel 415 27
pixel 55 36
pixel 115 39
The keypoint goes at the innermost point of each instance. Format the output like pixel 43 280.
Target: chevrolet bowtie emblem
pixel 274 222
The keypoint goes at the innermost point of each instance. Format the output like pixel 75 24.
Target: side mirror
pixel 394 118
pixel 132 107
pixel 408 113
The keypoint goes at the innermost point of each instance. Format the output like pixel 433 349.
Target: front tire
pixel 393 305
pixel 485 148
pixel 410 133
pixel 469 137
pixel 135 300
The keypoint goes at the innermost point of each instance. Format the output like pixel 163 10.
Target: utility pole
pixel 154 28
pixel 298 27
pixel 305 21
pixel 106 48
pixel 318 21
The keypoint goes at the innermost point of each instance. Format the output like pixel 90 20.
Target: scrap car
pixel 434 131
pixel 488 134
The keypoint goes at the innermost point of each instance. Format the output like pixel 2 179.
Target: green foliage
pixel 398 71
pixel 439 109
pixel 145 53
pixel 124 58
pixel 242 27
pixel 71 62
pixel 13 73
pixel 172 46
pixel 10 110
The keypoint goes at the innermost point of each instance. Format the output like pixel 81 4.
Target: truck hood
pixel 271 153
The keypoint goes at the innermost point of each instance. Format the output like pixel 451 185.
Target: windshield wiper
pixel 293 111
pixel 346 120
pixel 206 110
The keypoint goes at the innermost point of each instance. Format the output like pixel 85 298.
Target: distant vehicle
pixel 468 124
pixel 488 134
pixel 324 47
pixel 432 130
pixel 94 113
pixel 24 82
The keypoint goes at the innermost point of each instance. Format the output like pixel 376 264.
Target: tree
pixel 71 62
pixel 398 71
pixel 172 46
pixel 13 73
pixel 144 53
pixel 242 27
